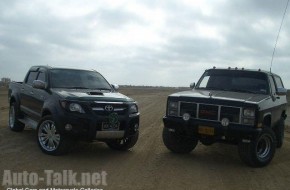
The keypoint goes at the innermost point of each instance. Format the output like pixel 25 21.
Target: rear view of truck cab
pixel 65 105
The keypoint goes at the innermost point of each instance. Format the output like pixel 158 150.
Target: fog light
pixel 225 122
pixel 186 116
pixel 68 127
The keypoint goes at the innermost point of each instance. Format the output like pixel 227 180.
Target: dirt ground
pixel 149 165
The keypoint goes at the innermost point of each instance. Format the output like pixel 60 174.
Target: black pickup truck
pixel 236 106
pixel 65 105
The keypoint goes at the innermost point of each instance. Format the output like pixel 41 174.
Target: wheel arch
pixel 284 115
pixel 46 112
pixel 12 100
pixel 267 120
pixel 15 100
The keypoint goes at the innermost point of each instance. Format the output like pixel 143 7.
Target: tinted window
pixel 66 78
pixel 278 82
pixel 41 76
pixel 237 81
pixel 31 77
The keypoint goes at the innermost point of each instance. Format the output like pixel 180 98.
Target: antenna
pixel 278 36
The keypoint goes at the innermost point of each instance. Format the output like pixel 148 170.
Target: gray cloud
pixel 143 43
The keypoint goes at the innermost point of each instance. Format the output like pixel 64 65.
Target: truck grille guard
pixel 210 112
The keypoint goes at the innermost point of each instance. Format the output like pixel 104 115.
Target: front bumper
pixel 191 127
pixel 89 126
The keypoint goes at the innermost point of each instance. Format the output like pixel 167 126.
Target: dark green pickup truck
pixel 236 106
pixel 65 105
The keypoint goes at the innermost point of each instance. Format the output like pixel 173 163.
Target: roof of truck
pixel 242 69
pixel 36 68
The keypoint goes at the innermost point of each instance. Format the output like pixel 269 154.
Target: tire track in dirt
pixel 147 151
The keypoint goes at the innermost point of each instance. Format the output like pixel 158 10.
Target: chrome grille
pixel 232 113
pixel 100 108
pixel 189 108
pixel 209 112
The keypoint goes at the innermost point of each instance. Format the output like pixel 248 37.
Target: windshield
pixel 78 79
pixel 237 81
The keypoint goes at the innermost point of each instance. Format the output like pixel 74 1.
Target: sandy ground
pixel 149 165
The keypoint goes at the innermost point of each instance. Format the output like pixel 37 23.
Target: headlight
pixel 249 116
pixel 133 108
pixel 74 107
pixel 248 112
pixel 173 105
pixel 172 108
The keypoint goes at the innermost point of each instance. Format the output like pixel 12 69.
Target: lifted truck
pixel 65 105
pixel 236 106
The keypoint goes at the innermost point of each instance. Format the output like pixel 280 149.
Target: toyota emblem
pixel 109 108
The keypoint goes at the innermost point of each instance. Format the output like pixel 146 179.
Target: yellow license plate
pixel 204 130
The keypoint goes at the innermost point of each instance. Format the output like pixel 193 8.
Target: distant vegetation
pixel 5 82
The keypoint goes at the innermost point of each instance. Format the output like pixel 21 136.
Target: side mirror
pixel 192 85
pixel 38 84
pixel 281 91
pixel 115 87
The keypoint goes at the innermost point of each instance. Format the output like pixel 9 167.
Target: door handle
pixel 22 89
pixel 32 93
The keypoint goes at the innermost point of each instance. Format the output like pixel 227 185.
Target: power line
pixel 278 35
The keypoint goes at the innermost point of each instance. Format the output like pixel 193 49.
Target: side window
pixel 273 88
pixel 31 77
pixel 204 82
pixel 278 82
pixel 41 76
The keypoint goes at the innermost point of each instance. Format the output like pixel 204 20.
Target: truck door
pixel 38 97
pixel 277 100
pixel 26 93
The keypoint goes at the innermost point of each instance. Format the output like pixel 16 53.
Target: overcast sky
pixel 145 42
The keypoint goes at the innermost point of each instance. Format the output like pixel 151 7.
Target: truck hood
pixel 91 95
pixel 223 95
